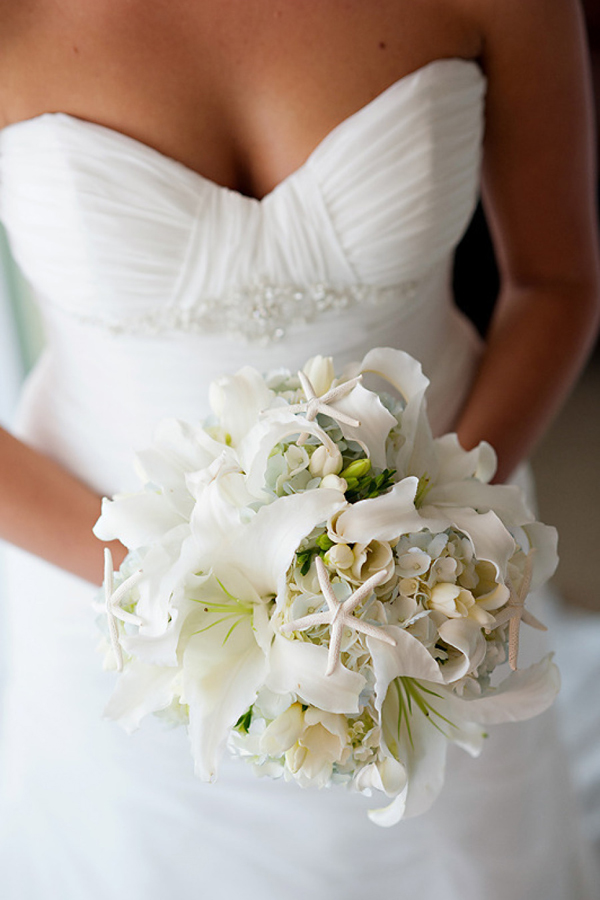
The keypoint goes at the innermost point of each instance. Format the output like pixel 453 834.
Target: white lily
pixel 261 544
pixel 255 450
pixel 224 663
pixel 237 400
pixel 140 690
pixel 406 375
pixel 301 668
pixel 372 422
pixel 390 515
pixel 178 448
pixel 420 718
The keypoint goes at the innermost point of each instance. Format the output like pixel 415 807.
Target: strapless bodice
pixel 152 279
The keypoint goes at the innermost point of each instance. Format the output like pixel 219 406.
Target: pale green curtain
pixel 20 308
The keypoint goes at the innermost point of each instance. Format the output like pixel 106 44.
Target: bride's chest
pixel 111 230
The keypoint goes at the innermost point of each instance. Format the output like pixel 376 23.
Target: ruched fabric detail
pixel 109 229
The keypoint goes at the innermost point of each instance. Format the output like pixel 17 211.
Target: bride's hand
pixel 48 512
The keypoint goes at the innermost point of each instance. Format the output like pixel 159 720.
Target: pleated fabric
pixel 137 230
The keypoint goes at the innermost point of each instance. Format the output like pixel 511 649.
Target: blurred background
pixel 566 467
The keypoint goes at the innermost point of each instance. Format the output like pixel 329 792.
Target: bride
pixel 194 186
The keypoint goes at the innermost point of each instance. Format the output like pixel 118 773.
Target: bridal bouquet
pixel 318 586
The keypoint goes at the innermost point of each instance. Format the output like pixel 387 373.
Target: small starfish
pixel 514 612
pixel 315 405
pixel 340 614
pixel 112 598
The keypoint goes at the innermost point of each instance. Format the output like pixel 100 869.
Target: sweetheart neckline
pixel 208 183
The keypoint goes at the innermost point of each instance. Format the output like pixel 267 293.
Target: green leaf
pixel 243 723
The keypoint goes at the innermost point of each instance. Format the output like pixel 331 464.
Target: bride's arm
pixel 47 511
pixel 539 189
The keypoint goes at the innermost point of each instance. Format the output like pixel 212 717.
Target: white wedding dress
pixel 152 280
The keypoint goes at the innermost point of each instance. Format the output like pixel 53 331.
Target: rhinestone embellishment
pixel 259 312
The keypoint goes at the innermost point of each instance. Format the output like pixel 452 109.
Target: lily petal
pixel 141 689
pixel 264 546
pixel 238 400
pixel 299 667
pixel 255 449
pixel 423 752
pixel 136 519
pixel 506 500
pixel 465 635
pixel 177 448
pixel 391 814
pixel 408 658
pixel 544 540
pixel 375 422
pixel 386 517
pixel 220 681
pixel 457 464
pixel 524 694
pixel 490 538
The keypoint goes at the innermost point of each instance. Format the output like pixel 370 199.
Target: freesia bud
pixel 340 556
pixel 357 469
pixel 320 372
pixel 334 483
pixel 325 462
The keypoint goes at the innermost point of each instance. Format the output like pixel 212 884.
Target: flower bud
pixel 340 556
pixel 357 469
pixel 451 599
pixel 320 372
pixel 283 732
pixel 334 483
pixel 325 462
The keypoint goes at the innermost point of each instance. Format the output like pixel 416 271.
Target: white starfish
pixel 112 598
pixel 514 612
pixel 315 405
pixel 340 614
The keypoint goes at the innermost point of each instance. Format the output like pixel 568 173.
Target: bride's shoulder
pixel 514 20
pixel 531 48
